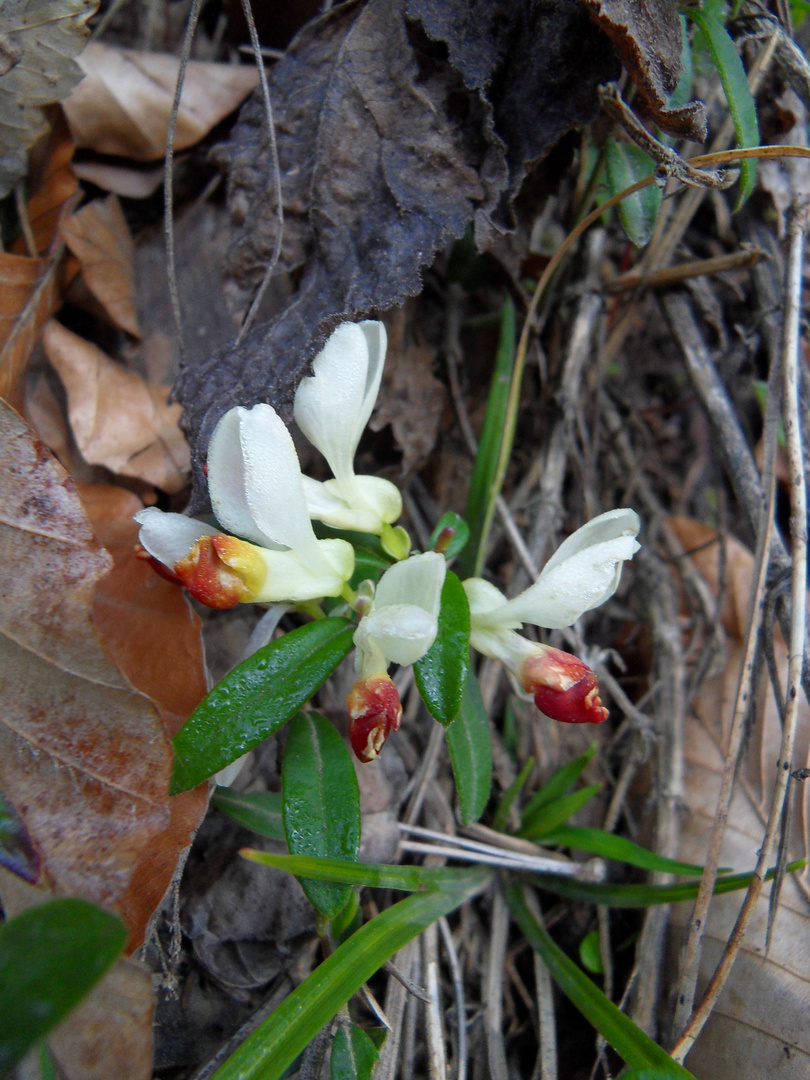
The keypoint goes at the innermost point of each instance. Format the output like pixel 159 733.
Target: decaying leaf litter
pixel 426 185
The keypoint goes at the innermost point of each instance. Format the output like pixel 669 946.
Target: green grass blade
pixel 379 875
pixel 353 1054
pixel 618 848
pixel 628 1040
pixel 550 817
pixel 741 104
pixel 557 785
pixel 259 811
pixel 257 698
pixel 493 449
pixel 638 896
pixel 470 749
pixel 271 1049
pixel 512 792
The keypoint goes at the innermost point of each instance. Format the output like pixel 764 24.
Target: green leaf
pixel 735 87
pixel 378 875
pixel 454 521
pixel 493 450
pixel 320 803
pixel 628 1040
pixel 651 1074
pixel 560 783
pixel 638 896
pixel 471 752
pixel 268 1052
pixel 256 698
pixel 17 853
pixel 625 164
pixel 550 817
pixel 441 673
pixel 259 811
pixel 51 956
pixel 353 1054
pixel 512 792
pixel 618 848
pixel 590 953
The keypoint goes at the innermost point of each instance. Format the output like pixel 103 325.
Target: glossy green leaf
pixel 379 875
pixel 730 68
pixel 550 817
pixel 456 543
pixel 353 1054
pixel 17 853
pixel 471 752
pixel 651 1074
pixel 590 953
pixel 442 672
pixel 505 805
pixel 493 450
pixel 625 164
pixel 51 956
pixel 257 698
pixel 639 896
pixel 269 1051
pixel 259 811
pixel 628 1040
pixel 320 803
pixel 557 785
pixel 618 848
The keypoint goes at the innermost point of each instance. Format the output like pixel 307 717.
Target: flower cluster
pixel 267 550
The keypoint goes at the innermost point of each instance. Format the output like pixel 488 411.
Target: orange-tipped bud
pixel 374 712
pixel 208 574
pixel 564 688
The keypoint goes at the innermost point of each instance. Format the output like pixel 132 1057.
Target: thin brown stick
pixel 275 171
pixel 672 275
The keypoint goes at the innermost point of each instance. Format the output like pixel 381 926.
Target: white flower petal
pixel 581 582
pixel 226 478
pixel 273 485
pixel 170 537
pixel 403 632
pixel 293 577
pixel 607 526
pixel 416 581
pixel 326 504
pixel 380 496
pixel 330 405
pixel 483 598
pixel 377 342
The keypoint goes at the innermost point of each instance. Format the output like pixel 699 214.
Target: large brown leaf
pixel 759 1025
pixel 84 759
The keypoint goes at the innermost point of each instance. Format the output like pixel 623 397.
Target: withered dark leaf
pixel 384 158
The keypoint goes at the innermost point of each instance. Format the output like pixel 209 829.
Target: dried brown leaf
pixel 98 235
pixel 84 759
pixel 30 293
pixel 759 1025
pixel 40 39
pixel 122 106
pixel 49 203
pixel 153 635
pixel 119 420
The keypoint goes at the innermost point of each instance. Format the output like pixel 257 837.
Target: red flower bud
pixel 564 688
pixel 374 712
pixel 207 577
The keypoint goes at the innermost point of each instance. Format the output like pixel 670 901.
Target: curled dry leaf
pixel 99 237
pixel 155 638
pixel 52 199
pixel 123 104
pixel 118 419
pixel 40 40
pixel 759 1025
pixel 30 293
pixel 84 759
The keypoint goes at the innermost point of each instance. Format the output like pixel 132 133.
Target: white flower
pixel 399 628
pixel 401 624
pixel 256 489
pixel 332 408
pixel 583 573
